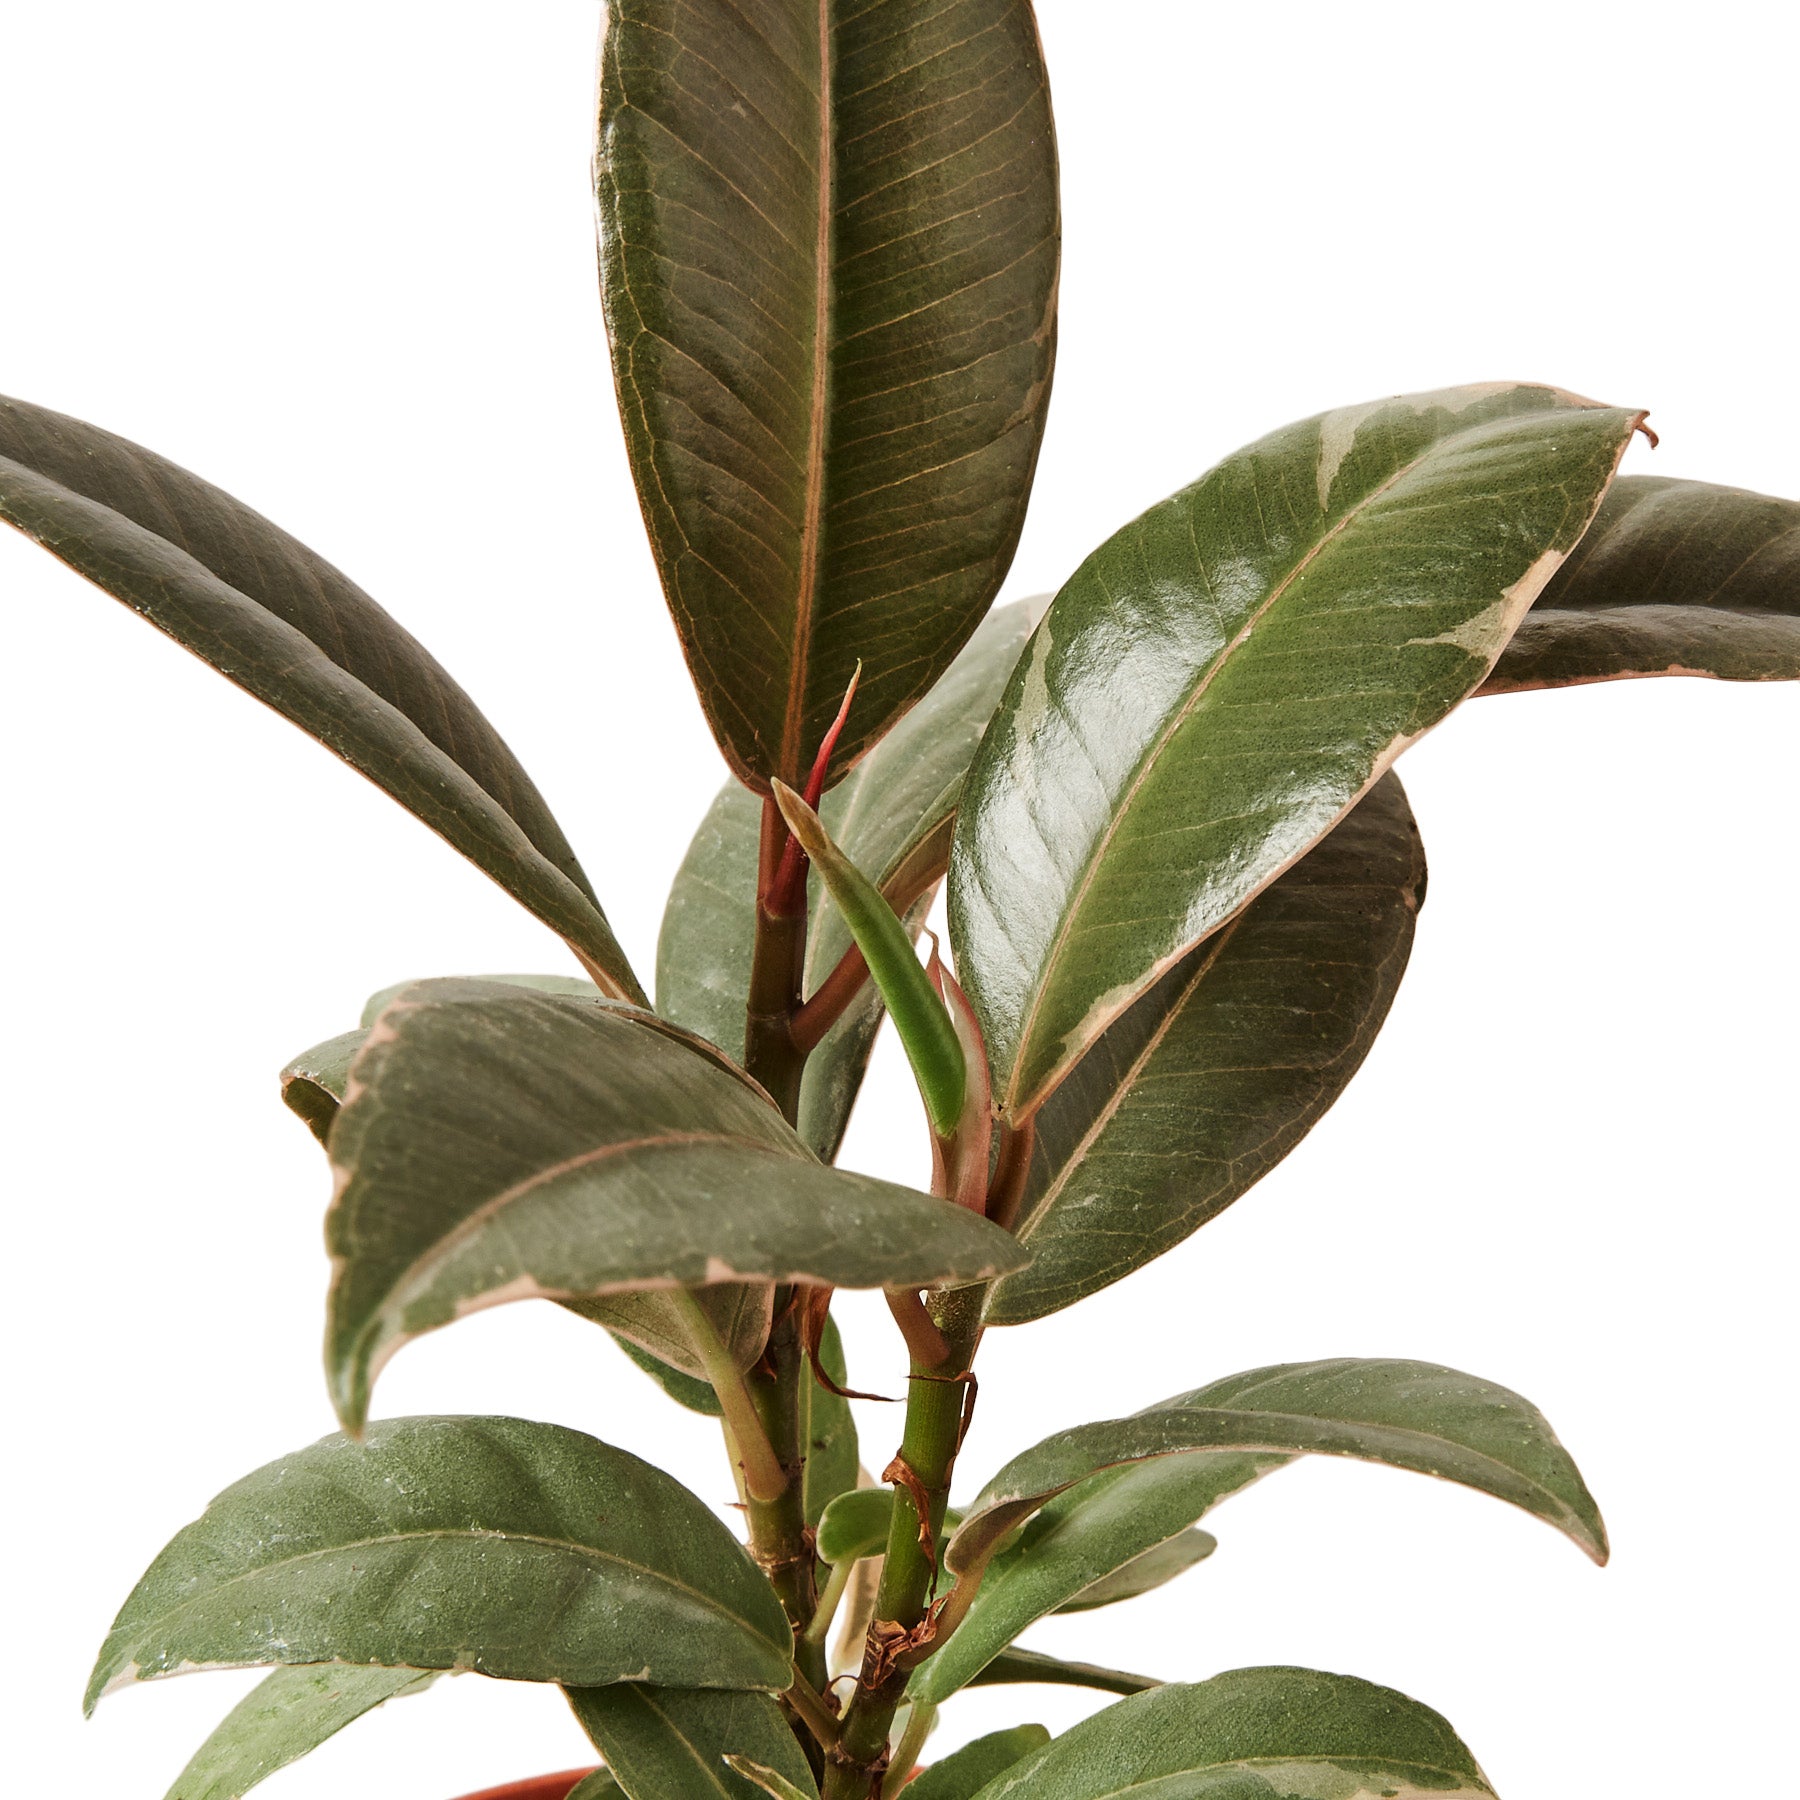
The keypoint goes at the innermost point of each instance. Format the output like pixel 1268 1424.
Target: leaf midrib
pixel 587 1552
pixel 1152 755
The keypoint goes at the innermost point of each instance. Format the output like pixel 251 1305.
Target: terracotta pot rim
pixel 535 1787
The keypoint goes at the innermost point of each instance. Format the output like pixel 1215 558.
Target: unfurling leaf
pixel 1221 681
pixel 500 1144
pixel 287 1714
pixel 828 253
pixel 287 627
pixel 1254 1734
pixel 892 816
pixel 919 1014
pixel 524 1551
pixel 667 1743
pixel 1672 578
pixel 1211 1078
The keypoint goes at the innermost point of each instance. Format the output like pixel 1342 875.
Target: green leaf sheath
pixel 1221 681
pixel 965 1772
pixel 1673 578
pixel 1095 1497
pixel 829 242
pixel 287 627
pixel 499 1144
pixel 1254 1734
pixel 668 1743
pixel 524 1551
pixel 919 1015
pixel 1210 1079
pixel 892 815
pixel 290 1712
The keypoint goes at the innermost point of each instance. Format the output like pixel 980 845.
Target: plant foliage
pixel 1182 878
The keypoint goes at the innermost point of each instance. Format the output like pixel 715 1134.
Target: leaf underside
pixel 284 625
pixel 1672 578
pixel 524 1551
pixel 828 257
pixel 1224 678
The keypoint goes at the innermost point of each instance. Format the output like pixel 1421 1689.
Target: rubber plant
pixel 1182 880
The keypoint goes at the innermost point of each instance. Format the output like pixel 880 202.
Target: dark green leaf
pixel 685 1390
pixel 312 1085
pixel 292 1711
pixel 771 1781
pixel 667 1743
pixel 829 254
pixel 1096 1532
pixel 603 1784
pixel 1221 681
pixel 1033 1668
pixel 286 626
pixel 501 1143
pixel 920 1016
pixel 1160 1564
pixel 856 1524
pixel 1673 578
pixel 831 1460
pixel 524 1551
pixel 1254 1734
pixel 892 814
pixel 1219 1071
pixel 964 1772
pixel 377 1003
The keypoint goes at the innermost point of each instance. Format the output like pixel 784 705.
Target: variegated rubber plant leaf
pixel 892 815
pixel 1212 1077
pixel 1673 578
pixel 287 627
pixel 829 245
pixel 670 1743
pixel 1221 681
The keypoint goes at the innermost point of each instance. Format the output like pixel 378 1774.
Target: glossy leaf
pixel 920 1016
pixel 1108 1492
pixel 1096 1532
pixel 1033 1668
pixel 500 1144
pixel 287 627
pixel 828 255
pixel 1221 681
pixel 965 1772
pixel 1673 578
pixel 1151 1569
pixel 524 1551
pixel 667 1743
pixel 1254 1734
pixel 892 815
pixel 292 1711
pixel 1211 1078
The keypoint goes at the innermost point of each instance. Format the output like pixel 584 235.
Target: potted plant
pixel 1165 810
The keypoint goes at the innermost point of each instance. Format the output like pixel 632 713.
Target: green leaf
pixel 1097 1532
pixel 892 814
pixel 287 627
pixel 771 1781
pixel 377 1003
pixel 668 1743
pixel 292 1711
pixel 1218 1072
pixel 855 1525
pixel 964 1772
pixel 1032 1667
pixel 1673 578
pixel 312 1085
pixel 685 1390
pixel 501 1144
pixel 831 1459
pixel 603 1784
pixel 919 1015
pixel 524 1551
pixel 1254 1734
pixel 1160 1564
pixel 828 255
pixel 1221 681
pixel 1099 1496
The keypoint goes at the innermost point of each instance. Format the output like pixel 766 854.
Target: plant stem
pixel 763 1478
pixel 831 1596
pixel 910 1569
pixel 770 1052
pixel 906 1752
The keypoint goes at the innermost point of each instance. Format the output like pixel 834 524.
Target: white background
pixel 338 258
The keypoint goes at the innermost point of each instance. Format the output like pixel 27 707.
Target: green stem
pixel 906 1752
pixel 831 1597
pixel 763 1478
